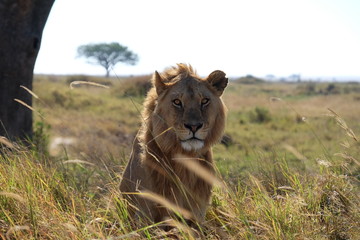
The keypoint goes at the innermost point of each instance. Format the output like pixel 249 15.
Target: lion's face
pixel 189 113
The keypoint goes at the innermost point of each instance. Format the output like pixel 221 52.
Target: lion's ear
pixel 218 81
pixel 159 83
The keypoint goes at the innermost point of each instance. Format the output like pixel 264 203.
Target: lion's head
pixel 185 112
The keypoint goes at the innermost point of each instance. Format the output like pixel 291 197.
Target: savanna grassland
pixel 289 163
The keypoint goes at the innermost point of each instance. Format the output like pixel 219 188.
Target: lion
pixel 183 117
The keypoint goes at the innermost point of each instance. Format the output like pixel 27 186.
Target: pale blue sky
pixel 258 37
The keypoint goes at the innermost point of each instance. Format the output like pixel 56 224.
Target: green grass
pixel 290 169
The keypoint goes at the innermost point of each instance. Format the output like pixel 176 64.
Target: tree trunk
pixel 21 26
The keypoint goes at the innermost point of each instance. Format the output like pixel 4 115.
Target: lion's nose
pixel 193 127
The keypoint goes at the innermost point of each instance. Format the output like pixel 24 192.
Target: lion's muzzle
pixel 193 127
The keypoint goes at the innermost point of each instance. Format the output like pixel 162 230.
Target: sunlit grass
pixel 40 202
pixel 294 176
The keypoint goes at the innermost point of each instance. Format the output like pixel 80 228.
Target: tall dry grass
pixel 46 202
pixel 265 190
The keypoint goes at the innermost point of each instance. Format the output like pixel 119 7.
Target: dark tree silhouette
pixel 21 26
pixel 107 55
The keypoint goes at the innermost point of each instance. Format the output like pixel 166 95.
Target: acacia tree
pixel 107 55
pixel 21 26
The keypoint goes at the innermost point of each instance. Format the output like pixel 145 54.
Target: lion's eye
pixel 205 101
pixel 177 103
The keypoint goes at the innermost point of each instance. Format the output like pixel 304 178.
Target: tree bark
pixel 21 26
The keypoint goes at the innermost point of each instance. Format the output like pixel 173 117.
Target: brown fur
pixel 165 135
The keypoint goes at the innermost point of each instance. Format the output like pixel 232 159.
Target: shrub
pixel 133 87
pixel 249 79
pixel 332 89
pixel 260 115
pixel 307 89
pixel 40 139
pixel 59 98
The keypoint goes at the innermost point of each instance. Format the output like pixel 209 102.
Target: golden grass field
pixel 289 162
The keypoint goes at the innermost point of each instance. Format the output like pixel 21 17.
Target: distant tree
pixel 295 77
pixel 21 26
pixel 270 77
pixel 107 55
